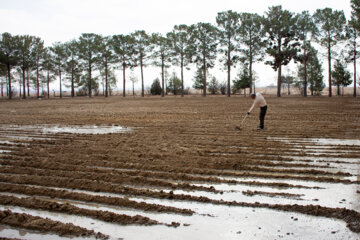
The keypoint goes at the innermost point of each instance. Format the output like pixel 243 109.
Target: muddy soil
pixel 37 223
pixel 176 149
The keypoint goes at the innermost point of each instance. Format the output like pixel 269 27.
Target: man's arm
pixel 252 107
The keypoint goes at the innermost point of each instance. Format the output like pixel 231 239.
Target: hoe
pixel 241 124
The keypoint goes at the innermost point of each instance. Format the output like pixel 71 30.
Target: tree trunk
pixel 279 81
pixel 228 67
pixel 204 83
pixel 60 84
pixel 354 69
pixel 162 78
pixel 7 88
pixel 90 69
pixel 106 79
pixel 28 82
pixel 142 77
pixel 48 84
pixel 329 72
pixel 250 70
pixel 305 71
pixel 124 80
pixel 289 87
pixel 72 82
pixel 9 81
pixel 279 70
pixel 182 76
pixel 24 84
pixel 37 80
pixel 133 88
pixel 20 94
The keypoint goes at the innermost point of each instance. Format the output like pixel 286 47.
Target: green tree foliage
pixel 38 55
pixel 175 84
pixel 182 48
pixel 306 28
pixel 142 49
pixel 59 57
pixel 106 60
pixel 228 24
pixel 199 80
pixel 223 88
pixel 282 44
pixel 355 5
pixel 251 36
pixel 72 65
pixel 123 46
pixel 49 67
pixel 314 73
pixel 156 87
pixel 108 80
pixel 242 80
pixel 84 84
pixel 205 42
pixel 213 86
pixel 287 80
pixel 88 47
pixel 24 47
pixel 162 55
pixel 242 37
pixel 341 76
pixel 331 27
pixel 8 56
pixel 352 35
pixel 3 76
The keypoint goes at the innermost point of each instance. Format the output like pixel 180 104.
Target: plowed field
pixel 176 168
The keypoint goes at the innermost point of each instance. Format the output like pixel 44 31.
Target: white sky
pixel 63 20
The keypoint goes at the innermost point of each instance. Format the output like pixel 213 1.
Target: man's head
pixel 253 96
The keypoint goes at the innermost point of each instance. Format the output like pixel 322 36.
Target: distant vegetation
pixel 88 63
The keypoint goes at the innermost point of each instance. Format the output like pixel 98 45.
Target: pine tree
pixel 8 56
pixel 88 49
pixel 331 26
pixel 156 87
pixel 252 36
pixel 341 76
pixel 314 73
pixel 182 49
pixel 205 38
pixel 229 25
pixel 282 43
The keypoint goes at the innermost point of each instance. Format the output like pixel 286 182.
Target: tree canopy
pixel 275 38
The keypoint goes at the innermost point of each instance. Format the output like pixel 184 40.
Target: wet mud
pixel 37 223
pixel 178 150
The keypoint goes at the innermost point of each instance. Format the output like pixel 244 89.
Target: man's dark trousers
pixel 262 116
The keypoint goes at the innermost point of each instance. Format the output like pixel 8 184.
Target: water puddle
pixel 240 222
pixel 4 151
pixel 318 141
pixel 74 129
pixel 9 232
pixel 86 129
pixel 245 223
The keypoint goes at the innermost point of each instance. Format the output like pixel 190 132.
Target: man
pixel 259 101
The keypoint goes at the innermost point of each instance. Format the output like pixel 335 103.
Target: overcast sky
pixel 63 20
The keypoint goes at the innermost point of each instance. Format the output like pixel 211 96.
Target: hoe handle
pixel 243 119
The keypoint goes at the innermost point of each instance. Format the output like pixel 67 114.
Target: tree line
pixel 277 38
